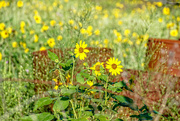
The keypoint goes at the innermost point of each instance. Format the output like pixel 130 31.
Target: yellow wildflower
pixel 44 28
pixel 2 26
pixel 114 66
pixel 37 19
pixel 0 56
pixel 178 19
pixel 36 38
pixel 80 50
pixel 52 22
pixel 83 31
pixel 71 22
pixel 106 41
pixel 32 31
pixel 160 20
pixel 90 83
pixel 59 38
pixel 174 33
pixel 20 4
pixel 14 44
pixel 42 48
pixel 127 32
pixel 120 22
pixel 51 42
pixel 26 50
pixel 4 34
pixel 166 11
pixel 96 68
pixel 22 24
pixel 98 8
pixel 97 32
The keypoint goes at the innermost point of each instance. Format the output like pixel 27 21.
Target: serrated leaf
pixel 80 79
pixel 42 101
pixel 52 56
pixel 60 105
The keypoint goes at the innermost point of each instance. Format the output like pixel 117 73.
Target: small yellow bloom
pixel 96 68
pixel 60 23
pixel 66 1
pixel 169 25
pixel 142 64
pixel 71 22
pixel 166 11
pixel 124 55
pixel 97 32
pixel 160 20
pixel 9 29
pixel 56 60
pixel 4 34
pixel 98 8
pixel 22 30
pixel 59 38
pixel 37 19
pixel 106 41
pixel 127 32
pixel 57 84
pixel 120 22
pixel 80 24
pixel 90 83
pixel 24 45
pixel 159 4
pixel 80 50
pixel 36 38
pixel 51 42
pixel 32 31
pixel 44 28
pixel 20 4
pixel 26 50
pixel 2 26
pixel 42 48
pixel 0 56
pixel 52 22
pixel 22 24
pixel 174 33
pixel 114 66
pixel 83 31
pixel 14 44
pixel 178 19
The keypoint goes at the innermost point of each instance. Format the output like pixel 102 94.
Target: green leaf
pixel 101 117
pixel 90 78
pixel 80 79
pixel 119 84
pixel 68 63
pixel 85 75
pixel 118 119
pixel 67 92
pixel 97 100
pixel 52 56
pixel 102 77
pixel 60 105
pixel 84 118
pixel 45 116
pixel 112 88
pixel 41 102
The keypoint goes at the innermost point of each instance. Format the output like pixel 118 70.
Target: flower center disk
pixel 114 66
pixel 81 50
pixel 97 68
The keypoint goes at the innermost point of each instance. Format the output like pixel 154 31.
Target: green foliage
pixel 42 102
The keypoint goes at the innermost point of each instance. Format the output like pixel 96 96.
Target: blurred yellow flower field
pixel 125 26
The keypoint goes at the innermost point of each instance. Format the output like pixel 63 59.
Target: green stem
pixel 73 109
pixel 73 70
pixel 106 91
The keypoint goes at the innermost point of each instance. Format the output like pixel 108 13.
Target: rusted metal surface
pixel 166 56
